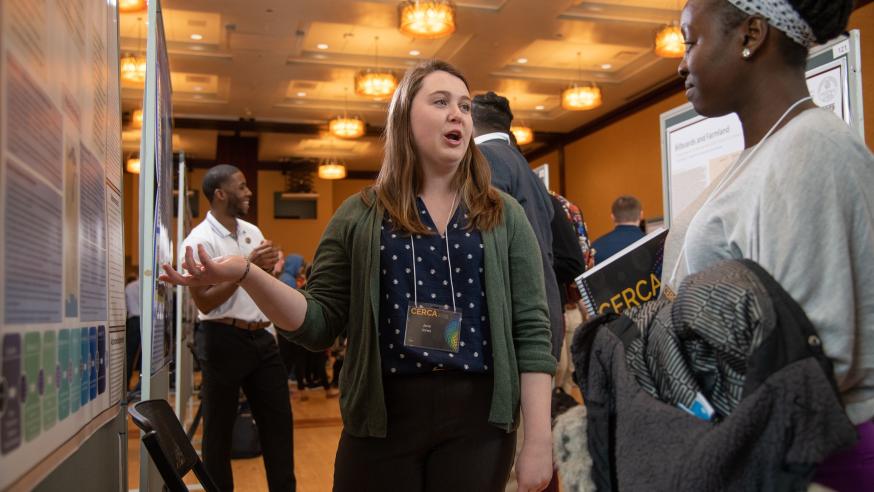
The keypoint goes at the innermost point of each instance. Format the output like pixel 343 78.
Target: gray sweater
pixel 803 208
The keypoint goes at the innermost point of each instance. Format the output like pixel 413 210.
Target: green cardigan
pixel 342 295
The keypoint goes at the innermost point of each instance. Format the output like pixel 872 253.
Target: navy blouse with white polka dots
pixel 432 274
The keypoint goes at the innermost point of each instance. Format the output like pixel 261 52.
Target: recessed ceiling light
pixel 522 61
pixel 198 88
pixel 322 46
pixel 301 94
pixel 415 52
pixel 540 107
pixel 196 37
pixel 606 66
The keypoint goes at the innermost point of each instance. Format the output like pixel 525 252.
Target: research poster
pixel 61 253
pixel 164 304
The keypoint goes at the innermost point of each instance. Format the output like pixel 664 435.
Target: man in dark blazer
pixel 512 174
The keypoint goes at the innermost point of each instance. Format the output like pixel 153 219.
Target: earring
pixel 746 53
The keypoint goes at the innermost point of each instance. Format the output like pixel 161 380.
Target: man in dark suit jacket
pixel 626 214
pixel 512 174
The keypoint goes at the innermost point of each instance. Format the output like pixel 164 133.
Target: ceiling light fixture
pixel 132 165
pixel 581 96
pixel 415 52
pixel 196 37
pixel 606 66
pixel 133 66
pixel 131 6
pixel 522 61
pixel 346 126
pixel 301 94
pixel 136 118
pixel 669 42
pixel 322 46
pixel 427 19
pixel 332 169
pixel 375 82
pixel 524 134
pixel 540 107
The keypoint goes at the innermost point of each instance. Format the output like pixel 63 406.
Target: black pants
pixel 231 359
pixel 438 439
pixel 308 367
pixel 132 347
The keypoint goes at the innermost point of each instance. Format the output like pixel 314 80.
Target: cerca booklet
pixel 628 278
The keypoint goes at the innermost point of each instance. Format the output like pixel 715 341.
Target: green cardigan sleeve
pixel 531 333
pixel 327 291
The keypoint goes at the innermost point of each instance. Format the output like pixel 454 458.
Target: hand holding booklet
pixel 627 279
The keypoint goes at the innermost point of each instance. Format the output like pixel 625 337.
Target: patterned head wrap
pixel 782 16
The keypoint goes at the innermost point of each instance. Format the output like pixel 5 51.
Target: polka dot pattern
pixel 433 287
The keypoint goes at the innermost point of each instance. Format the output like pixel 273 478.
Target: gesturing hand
pixel 265 256
pixel 209 271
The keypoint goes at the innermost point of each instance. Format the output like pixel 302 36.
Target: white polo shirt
pixel 218 241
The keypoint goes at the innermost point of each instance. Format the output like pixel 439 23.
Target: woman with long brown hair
pixel 436 279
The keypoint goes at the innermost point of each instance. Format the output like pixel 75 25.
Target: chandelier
pixel 524 134
pixel 133 68
pixel 133 165
pixel 129 6
pixel 346 126
pixel 427 19
pixel 136 118
pixel 332 169
pixel 375 82
pixel 669 42
pixel 581 97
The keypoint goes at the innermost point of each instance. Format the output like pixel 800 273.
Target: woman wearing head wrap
pixel 799 200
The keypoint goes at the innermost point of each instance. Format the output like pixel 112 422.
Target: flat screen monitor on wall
pixel 695 149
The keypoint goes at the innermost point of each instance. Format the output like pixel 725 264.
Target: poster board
pixel 695 149
pixel 155 215
pixel 62 311
pixel 186 311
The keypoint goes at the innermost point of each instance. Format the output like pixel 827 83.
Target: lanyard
pixel 735 169
pixel 448 258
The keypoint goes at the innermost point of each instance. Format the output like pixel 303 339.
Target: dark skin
pixel 229 202
pixel 719 80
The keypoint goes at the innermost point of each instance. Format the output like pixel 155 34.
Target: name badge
pixel 432 327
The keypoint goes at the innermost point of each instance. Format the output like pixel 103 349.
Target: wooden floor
pixel 317 429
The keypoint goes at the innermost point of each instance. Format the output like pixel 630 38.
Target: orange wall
pixel 345 188
pixel 300 236
pixel 554 177
pixel 863 20
pixel 621 159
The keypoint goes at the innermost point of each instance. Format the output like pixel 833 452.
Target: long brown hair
pixel 400 177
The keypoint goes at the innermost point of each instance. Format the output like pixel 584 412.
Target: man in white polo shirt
pixel 235 349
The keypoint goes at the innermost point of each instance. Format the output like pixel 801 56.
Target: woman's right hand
pixel 209 271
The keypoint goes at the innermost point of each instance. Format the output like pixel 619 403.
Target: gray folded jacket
pixel 733 349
